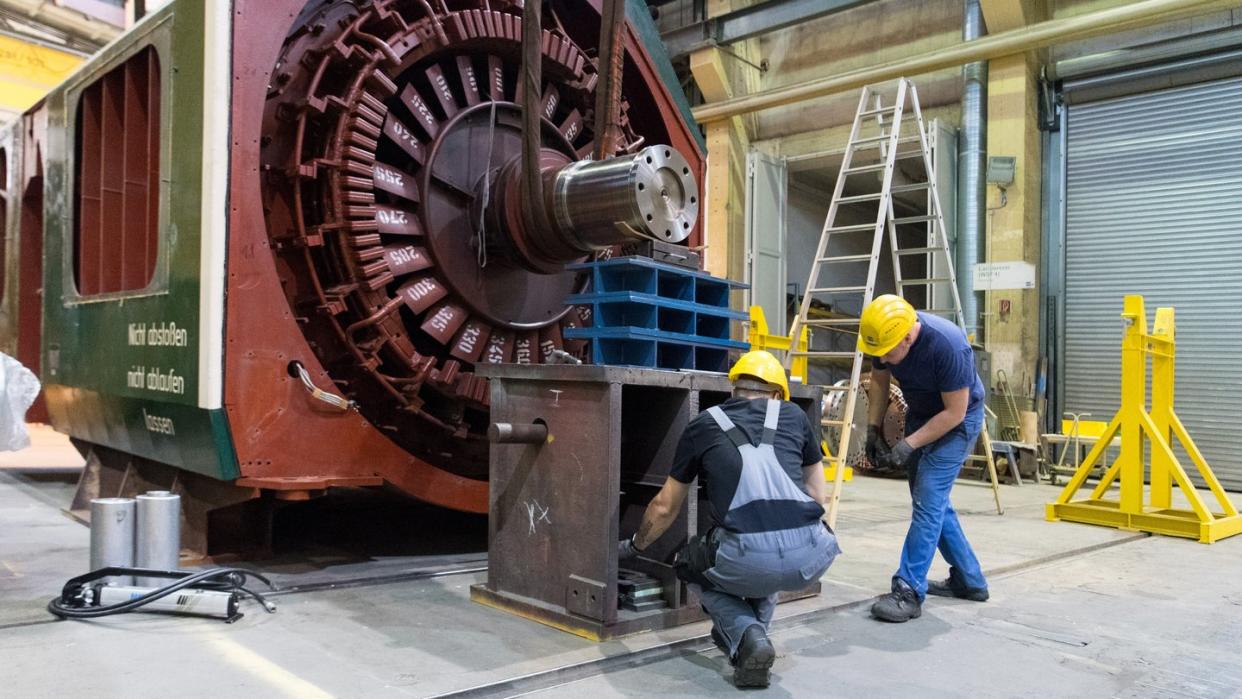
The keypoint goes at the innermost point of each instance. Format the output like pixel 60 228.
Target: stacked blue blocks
pixel 650 314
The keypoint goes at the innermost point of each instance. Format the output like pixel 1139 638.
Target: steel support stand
pixel 1159 427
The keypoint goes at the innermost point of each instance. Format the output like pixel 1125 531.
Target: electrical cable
pixel 72 601
pixel 481 252
pixel 338 402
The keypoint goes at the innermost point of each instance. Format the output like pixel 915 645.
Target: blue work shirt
pixel 939 361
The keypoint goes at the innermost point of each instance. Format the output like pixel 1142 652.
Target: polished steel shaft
pixel 509 433
pixel 652 193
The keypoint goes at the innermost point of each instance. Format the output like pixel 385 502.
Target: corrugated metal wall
pixel 1154 207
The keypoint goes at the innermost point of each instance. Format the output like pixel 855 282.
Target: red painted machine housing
pixel 286 441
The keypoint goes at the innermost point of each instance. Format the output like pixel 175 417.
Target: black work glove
pixel 901 453
pixel 875 439
pixel 626 549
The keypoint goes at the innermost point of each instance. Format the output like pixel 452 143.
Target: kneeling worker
pixel 758 457
pixel 935 366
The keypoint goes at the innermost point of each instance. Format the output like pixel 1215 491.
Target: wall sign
pixel 995 276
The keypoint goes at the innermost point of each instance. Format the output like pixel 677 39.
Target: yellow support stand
pixel 1158 426
pixel 830 471
pixel 761 339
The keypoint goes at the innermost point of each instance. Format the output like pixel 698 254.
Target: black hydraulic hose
pixel 217 579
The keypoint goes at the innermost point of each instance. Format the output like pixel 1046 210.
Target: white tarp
pixel 18 389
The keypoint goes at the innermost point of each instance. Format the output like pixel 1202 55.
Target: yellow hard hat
pixel 763 366
pixel 884 323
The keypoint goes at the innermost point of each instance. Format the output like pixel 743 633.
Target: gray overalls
pixel 758 556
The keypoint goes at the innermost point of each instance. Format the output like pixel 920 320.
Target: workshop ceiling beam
pixel 74 23
pixel 750 22
pixel 998 45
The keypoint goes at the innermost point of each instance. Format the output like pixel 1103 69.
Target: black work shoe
pixel 955 586
pixel 719 639
pixel 755 655
pixel 902 604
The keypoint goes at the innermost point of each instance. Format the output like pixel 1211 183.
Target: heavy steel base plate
pixel 627 622
pixel 1169 522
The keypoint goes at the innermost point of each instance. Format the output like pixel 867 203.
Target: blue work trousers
pixel 934 524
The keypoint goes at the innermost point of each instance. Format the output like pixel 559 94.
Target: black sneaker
pixel 902 604
pixel 755 655
pixel 955 586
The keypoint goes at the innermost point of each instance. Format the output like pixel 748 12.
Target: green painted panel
pixel 183 436
pixel 10 211
pixel 141 344
pixel 123 369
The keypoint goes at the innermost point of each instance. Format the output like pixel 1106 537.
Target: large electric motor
pixel 392 151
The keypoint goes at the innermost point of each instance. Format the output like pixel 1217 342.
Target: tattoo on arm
pixel 661 512
pixel 644 531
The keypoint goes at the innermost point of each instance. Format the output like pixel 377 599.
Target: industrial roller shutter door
pixel 1153 201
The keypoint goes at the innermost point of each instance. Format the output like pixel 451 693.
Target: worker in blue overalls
pixel 758 458
pixel 935 367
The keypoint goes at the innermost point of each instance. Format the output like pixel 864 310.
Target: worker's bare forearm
pixel 816 484
pixel 656 521
pixel 877 395
pixel 935 428
pixel 954 412
pixel 661 512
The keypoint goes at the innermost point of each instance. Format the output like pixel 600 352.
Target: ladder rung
pixel 872 142
pixel 860 197
pixel 874 167
pixel 844 330
pixel 837 290
pixel 914 219
pixel 877 110
pixel 918 251
pixel 923 282
pixel 894 190
pixel 843 258
pixel 829 322
pixel 873 139
pixel 877 167
pixel 940 311
pixel 835 388
pixel 832 423
pixel 858 227
pixel 813 354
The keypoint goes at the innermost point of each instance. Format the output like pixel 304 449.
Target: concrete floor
pixel 1076 611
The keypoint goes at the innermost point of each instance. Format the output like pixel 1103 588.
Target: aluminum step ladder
pixel 881 139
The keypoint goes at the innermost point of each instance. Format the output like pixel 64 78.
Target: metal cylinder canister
pixel 211 603
pixel 112 535
pixel 158 542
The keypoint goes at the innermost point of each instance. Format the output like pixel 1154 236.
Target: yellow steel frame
pixel 761 339
pixel 1159 426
